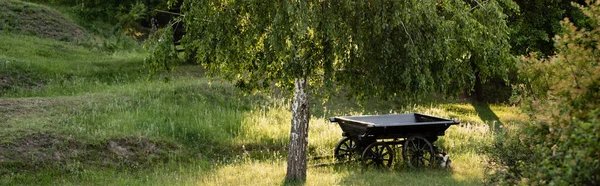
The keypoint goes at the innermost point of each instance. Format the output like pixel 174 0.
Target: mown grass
pixel 36 20
pixel 211 133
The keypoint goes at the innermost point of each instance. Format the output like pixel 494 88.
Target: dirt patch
pixel 45 150
pixel 26 18
pixel 20 80
pixel 5 81
pixel 38 147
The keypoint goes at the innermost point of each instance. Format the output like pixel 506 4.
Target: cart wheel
pixel 378 154
pixel 345 149
pixel 417 152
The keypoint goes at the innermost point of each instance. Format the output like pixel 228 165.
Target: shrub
pixel 562 96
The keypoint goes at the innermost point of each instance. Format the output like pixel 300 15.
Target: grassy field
pixel 74 115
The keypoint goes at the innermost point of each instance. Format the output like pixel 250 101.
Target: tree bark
pixel 296 159
pixel 478 88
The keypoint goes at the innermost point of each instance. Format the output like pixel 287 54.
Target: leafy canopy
pixel 374 48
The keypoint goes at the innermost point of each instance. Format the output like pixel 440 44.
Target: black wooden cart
pixel 373 139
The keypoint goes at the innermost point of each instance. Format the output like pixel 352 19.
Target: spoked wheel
pixel 417 152
pixel 345 150
pixel 378 154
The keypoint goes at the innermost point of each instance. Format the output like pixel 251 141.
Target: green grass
pixel 29 63
pixel 65 106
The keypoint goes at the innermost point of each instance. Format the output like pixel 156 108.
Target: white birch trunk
pixel 296 159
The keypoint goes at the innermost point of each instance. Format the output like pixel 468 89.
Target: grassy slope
pixel 206 132
pixel 31 19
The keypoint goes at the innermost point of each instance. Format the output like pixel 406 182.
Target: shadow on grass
pixel 287 182
pixel 487 115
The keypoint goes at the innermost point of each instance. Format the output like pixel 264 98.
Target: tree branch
pixel 167 12
pixel 478 5
pixel 406 30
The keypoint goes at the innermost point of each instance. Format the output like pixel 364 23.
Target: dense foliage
pixel 376 48
pixel 562 144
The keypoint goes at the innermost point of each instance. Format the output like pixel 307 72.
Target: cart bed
pixel 395 120
pixel 392 126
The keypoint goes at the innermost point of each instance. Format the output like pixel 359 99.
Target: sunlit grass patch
pixel 469 167
pixel 247 173
pixel 268 128
pixel 273 173
pixel 510 114
pixel 469 138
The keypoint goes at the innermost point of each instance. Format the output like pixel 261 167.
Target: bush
pixel 509 158
pixel 562 96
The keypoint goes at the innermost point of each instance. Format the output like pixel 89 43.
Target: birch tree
pixel 371 48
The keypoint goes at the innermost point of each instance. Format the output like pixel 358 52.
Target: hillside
pixel 36 20
pixel 71 114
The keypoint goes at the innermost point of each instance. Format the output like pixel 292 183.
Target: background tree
pixel 376 48
pixel 536 23
pixel 532 27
